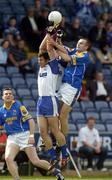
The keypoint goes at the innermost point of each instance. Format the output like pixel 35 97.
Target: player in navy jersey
pixel 20 127
pixel 48 104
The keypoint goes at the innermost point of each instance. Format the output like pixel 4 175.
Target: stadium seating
pixel 101 106
pixel 4 82
pixel 92 114
pixel 106 117
pixel 24 93
pixel 77 117
pixel 87 106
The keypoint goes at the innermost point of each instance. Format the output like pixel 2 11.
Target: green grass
pixel 52 178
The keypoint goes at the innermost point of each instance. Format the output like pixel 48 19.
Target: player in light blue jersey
pixel 73 75
pixel 20 127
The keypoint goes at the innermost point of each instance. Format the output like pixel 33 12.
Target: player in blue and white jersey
pixel 73 76
pixel 48 104
pixel 20 127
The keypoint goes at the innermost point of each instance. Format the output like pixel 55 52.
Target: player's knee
pixel 8 159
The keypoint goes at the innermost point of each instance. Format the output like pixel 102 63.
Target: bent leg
pixel 10 154
pixel 102 156
pixel 88 153
pixel 33 157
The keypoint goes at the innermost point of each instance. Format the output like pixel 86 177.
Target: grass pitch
pixel 53 178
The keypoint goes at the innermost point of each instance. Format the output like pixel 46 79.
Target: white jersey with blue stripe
pixel 47 78
pixel 75 71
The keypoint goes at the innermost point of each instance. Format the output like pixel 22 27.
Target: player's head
pixel 91 122
pixel 83 45
pixel 7 95
pixel 43 59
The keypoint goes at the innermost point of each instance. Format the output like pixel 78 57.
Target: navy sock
pixel 52 154
pixel 64 151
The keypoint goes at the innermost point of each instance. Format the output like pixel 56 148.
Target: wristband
pixel 31 135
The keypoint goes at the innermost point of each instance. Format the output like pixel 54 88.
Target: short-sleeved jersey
pixel 47 78
pixel 15 119
pixel 75 71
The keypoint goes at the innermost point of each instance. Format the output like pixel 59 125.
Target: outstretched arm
pixel 61 51
pixel 51 51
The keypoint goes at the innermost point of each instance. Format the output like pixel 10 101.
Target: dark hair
pixel 91 118
pixel 3 42
pixel 44 55
pixel 7 88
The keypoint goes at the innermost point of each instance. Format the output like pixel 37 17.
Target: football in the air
pixel 55 17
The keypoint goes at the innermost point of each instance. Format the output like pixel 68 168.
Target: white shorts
pixel 19 139
pixel 68 94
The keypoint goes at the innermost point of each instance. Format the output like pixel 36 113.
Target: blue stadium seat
pixel 18 82
pixel 106 72
pixel 80 125
pixel 76 106
pixel 18 9
pixel 101 106
pixel 34 93
pixel 106 116
pixel 5 82
pixel 109 127
pixel 2 69
pixel 31 81
pixel 2 72
pixel 24 93
pixel 30 104
pixel 15 2
pixel 71 128
pixel 87 106
pixel 110 104
pixel 92 114
pixel 17 75
pixel 77 116
pixel 100 127
pixel 11 70
pixel 30 75
pixel 5 9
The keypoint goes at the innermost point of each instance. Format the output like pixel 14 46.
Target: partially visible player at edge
pixel 48 105
pixel 78 59
pixel 20 127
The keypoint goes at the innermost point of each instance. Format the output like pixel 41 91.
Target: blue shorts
pixel 48 106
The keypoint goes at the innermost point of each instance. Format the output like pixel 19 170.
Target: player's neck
pixel 8 104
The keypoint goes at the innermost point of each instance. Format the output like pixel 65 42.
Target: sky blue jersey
pixel 75 70
pixel 15 119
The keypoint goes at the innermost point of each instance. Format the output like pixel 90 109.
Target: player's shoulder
pixel 83 129
pixel 17 103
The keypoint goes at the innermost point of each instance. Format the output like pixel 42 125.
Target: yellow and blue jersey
pixel 14 119
pixel 75 70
